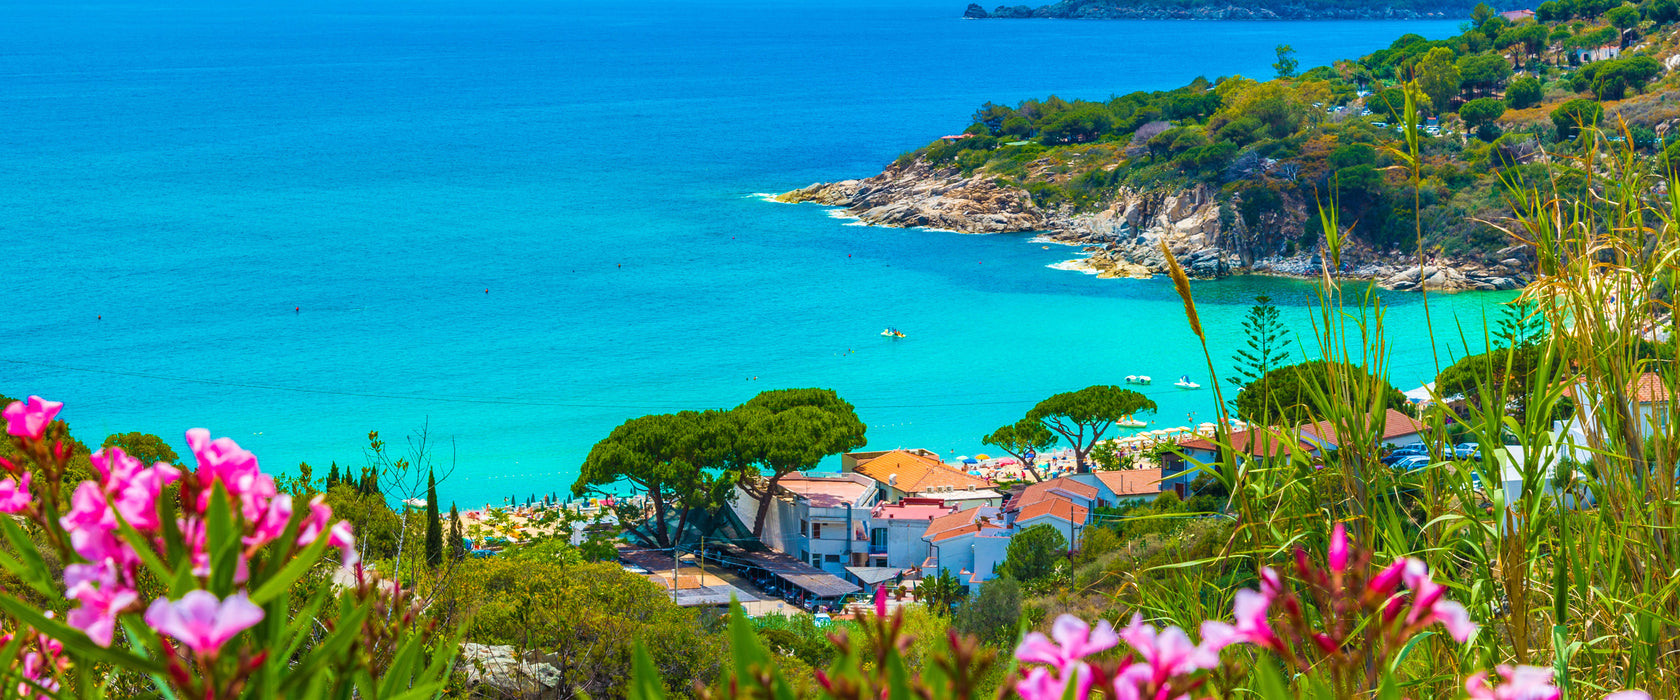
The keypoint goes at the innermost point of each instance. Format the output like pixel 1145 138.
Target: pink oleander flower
pixel 340 536
pixel 1043 683
pixel 224 460
pixel 1428 605
pixel 14 494
pixel 1517 683
pixel 201 622
pixel 880 601
pixel 320 515
pixel 273 522
pixel 30 419
pixel 1251 627
pixel 1338 552
pixel 1628 695
pixel 1167 653
pixel 1075 640
pixel 102 596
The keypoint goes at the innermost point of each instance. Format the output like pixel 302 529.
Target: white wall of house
pixel 1069 530
pixel 905 547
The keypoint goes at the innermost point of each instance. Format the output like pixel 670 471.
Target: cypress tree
pixel 434 526
pixel 332 476
pixel 457 545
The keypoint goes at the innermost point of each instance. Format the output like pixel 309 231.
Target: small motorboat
pixel 1138 379
pixel 1185 383
pixel 892 333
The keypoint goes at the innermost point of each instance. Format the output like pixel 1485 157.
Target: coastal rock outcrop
pixel 916 195
pixel 1222 10
pixel 1125 237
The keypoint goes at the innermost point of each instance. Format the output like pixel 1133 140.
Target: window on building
pixel 833 558
pixel 880 562
pixel 816 560
pixel 802 527
pixel 802 555
pixel 816 531
pixel 878 537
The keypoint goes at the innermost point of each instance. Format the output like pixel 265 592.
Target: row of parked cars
pixel 1409 457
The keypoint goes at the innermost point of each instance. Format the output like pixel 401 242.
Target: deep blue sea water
pixel 279 221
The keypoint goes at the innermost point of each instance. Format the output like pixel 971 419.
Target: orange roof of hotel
pixel 1244 441
pixel 917 473
pixel 1395 424
pixel 1055 507
pixel 1132 482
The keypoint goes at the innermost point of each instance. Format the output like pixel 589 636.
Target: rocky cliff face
pixel 1124 238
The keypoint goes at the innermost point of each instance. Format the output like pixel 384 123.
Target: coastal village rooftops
pixel 1646 388
pixel 1395 424
pixel 1127 483
pixel 1058 508
pixel 973 520
pixel 917 472
pixel 1064 488
pixel 826 491
pixel 912 509
pixel 1260 442
pixel 1515 15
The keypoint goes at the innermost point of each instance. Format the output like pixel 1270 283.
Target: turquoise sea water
pixel 281 224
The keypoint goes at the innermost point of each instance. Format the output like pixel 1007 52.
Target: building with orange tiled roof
pixel 918 473
pixel 1398 429
pixel 969 543
pixel 1647 397
pixel 1125 485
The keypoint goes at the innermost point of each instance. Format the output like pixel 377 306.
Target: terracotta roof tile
pixel 917 473
pixel 1395 424
pixel 1246 442
pixel 1055 507
pixel 1132 482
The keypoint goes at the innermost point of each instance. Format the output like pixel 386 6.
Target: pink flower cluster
pixel 42 659
pixel 1161 668
pixel 1529 683
pixel 128 492
pixel 1400 612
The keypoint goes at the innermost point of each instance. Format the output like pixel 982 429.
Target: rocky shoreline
pixel 1176 11
pixel 1124 238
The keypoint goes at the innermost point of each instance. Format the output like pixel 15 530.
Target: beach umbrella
pixel 982 456
pixel 970 460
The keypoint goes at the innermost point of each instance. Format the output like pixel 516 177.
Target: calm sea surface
pixel 279 221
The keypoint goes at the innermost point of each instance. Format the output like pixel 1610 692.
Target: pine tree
pixel 457 543
pixel 332 476
pixel 434 526
pixel 1266 345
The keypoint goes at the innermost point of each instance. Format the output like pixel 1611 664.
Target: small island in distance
pixel 1226 9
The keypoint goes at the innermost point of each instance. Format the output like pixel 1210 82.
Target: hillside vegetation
pixel 1495 102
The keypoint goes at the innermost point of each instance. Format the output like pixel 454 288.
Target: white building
pixel 821 519
pixel 896 529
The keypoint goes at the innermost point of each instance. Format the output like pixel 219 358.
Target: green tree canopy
pixel 672 458
pixel 1524 92
pixel 994 616
pixel 1438 77
pixel 1082 417
pixel 1024 439
pixel 1623 17
pixel 1034 553
pixel 145 447
pixel 1285 395
pixel 1480 111
pixel 1265 338
pixel 1570 117
pixel 1286 64
pixel 787 430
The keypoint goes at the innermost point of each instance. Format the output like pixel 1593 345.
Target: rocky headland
pixel 1123 238
pixel 1220 10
